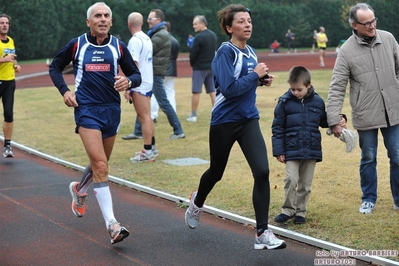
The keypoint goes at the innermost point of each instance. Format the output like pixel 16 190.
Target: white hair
pixel 89 11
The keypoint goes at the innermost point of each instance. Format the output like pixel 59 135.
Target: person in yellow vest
pixel 322 44
pixel 8 67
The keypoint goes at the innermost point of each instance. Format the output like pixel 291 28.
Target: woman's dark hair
pixel 226 16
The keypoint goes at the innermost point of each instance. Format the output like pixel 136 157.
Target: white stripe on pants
pixel 169 85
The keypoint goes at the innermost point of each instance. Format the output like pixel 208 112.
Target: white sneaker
pixel 366 207
pixel 396 207
pixel 191 119
pixel 268 240
pixel 154 151
pixel 117 232
pixel 140 157
pixel 193 213
pixel 7 153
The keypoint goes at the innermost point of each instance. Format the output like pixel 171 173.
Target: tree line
pixel 41 27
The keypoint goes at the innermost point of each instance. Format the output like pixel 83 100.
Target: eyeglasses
pixel 149 19
pixel 368 24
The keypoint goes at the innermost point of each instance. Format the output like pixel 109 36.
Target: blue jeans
pixel 368 141
pixel 137 127
pixel 159 92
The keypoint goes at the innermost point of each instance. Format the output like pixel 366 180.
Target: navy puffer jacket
pixel 295 129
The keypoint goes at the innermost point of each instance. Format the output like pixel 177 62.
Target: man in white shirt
pixel 140 46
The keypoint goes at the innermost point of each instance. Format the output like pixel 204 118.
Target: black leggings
pixel 7 89
pixel 249 137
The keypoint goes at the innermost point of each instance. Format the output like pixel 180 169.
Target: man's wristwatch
pixel 129 82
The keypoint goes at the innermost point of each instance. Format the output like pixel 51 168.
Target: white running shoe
pixel 268 240
pixel 191 119
pixel 7 153
pixel 141 157
pixel 117 232
pixel 366 207
pixel 193 213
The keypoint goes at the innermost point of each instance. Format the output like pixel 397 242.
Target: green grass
pixel 43 122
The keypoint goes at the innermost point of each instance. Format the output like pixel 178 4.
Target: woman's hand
pixel 262 70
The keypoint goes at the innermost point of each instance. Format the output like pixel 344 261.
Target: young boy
pixel 296 141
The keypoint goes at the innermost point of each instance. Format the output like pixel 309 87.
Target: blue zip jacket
pixel 295 128
pixel 235 83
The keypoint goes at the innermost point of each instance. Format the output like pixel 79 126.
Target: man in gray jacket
pixel 369 60
pixel 161 52
pixel 171 74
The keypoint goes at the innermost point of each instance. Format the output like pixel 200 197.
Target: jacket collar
pixel 367 40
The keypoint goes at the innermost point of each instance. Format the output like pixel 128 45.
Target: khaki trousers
pixel 297 183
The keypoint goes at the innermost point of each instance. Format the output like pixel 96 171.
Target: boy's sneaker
pixel 78 201
pixel 396 207
pixel 117 232
pixel 366 207
pixel 7 152
pixel 268 240
pixel 191 119
pixel 141 157
pixel 282 218
pixel 193 213
pixel 178 136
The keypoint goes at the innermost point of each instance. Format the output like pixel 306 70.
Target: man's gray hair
pixel 354 9
pixel 96 4
pixel 202 19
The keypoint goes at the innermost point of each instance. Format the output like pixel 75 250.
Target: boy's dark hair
pixel 299 74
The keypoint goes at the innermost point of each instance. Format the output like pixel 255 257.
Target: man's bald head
pixel 135 19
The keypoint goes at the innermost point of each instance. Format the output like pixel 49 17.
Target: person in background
pixel 235 118
pixel 201 55
pixel 96 101
pixel 171 74
pixel 8 67
pixel 290 36
pixel 369 61
pixel 322 45
pixel 161 44
pixel 314 41
pixel 140 47
pixel 296 141
pixel 190 40
pixel 274 46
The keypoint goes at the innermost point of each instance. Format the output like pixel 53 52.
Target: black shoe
pixel 299 220
pixel 154 120
pixel 282 218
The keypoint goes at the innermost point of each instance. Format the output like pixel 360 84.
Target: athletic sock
pixel 147 149
pixel 7 142
pixel 194 113
pixel 86 181
pixel 104 199
pixel 261 229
